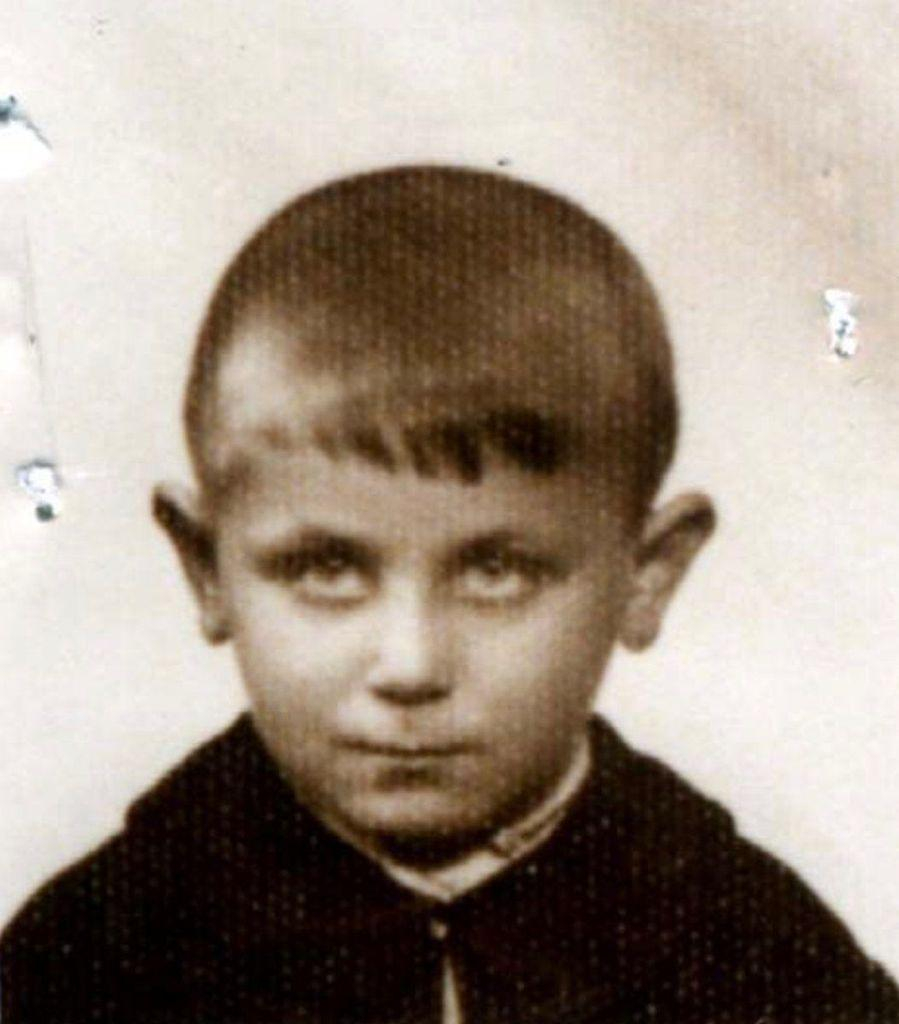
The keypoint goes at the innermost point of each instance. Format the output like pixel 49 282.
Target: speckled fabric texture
pixel 224 901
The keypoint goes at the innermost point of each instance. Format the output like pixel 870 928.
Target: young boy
pixel 429 413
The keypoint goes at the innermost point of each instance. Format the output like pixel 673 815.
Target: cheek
pixel 546 667
pixel 291 661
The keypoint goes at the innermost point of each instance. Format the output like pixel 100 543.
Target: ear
pixel 671 539
pixel 177 510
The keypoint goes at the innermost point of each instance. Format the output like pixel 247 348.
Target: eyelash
pixel 297 563
pixel 530 566
pixel 533 570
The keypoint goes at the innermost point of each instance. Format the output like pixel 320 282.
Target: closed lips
pixel 406 749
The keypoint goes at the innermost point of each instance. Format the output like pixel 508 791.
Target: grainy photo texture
pixel 429 412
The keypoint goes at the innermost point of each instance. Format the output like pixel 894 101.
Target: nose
pixel 409 664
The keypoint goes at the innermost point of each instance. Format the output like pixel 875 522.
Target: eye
pixel 330 573
pixel 500 576
pixel 332 579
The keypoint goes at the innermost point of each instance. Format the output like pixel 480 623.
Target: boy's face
pixel 421 654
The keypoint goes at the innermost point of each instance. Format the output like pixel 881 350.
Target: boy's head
pixel 429 411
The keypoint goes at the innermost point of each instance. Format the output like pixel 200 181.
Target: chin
pixel 412 820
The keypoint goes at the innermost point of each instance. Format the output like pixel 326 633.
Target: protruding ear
pixel 671 540
pixel 177 510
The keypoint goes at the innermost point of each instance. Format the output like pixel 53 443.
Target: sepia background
pixel 747 150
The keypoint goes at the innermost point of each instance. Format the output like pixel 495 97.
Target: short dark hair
pixel 506 315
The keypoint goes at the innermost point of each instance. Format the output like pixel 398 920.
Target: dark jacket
pixel 224 901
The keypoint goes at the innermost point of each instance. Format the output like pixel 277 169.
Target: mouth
pixel 409 750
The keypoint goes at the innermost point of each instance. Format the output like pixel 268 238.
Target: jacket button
pixel 439 929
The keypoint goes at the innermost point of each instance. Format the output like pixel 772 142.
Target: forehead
pixel 267 440
pixel 298 487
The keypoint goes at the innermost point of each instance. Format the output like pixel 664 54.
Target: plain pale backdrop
pixel 747 150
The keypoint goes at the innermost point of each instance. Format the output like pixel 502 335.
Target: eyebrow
pixel 274 554
pixel 493 539
pixel 536 553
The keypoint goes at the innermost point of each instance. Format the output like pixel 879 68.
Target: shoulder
pixel 109 913
pixel 732 915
